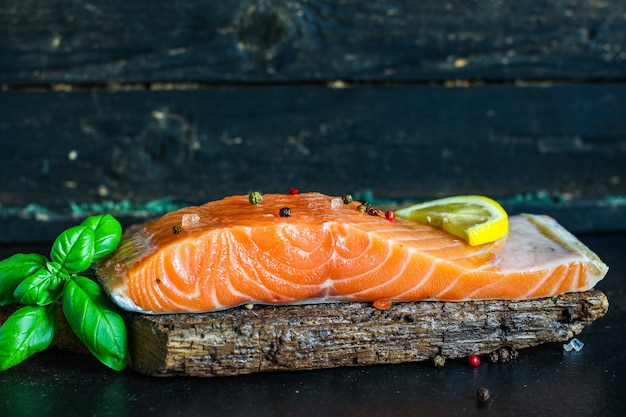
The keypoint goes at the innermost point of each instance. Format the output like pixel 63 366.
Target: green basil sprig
pixel 38 284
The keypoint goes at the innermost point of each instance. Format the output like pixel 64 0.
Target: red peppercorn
pixel 390 215
pixel 294 191
pixel 473 360
pixel 382 304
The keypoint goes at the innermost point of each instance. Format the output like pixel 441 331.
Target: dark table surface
pixel 543 381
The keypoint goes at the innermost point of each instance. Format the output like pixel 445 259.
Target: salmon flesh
pixel 230 252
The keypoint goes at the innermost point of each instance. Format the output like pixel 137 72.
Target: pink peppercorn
pixel 473 360
pixel 382 304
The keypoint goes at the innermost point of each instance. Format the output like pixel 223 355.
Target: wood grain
pixel 266 338
pixel 400 143
pixel 110 101
pixel 103 42
pixel 284 338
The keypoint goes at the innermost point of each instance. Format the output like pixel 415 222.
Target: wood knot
pixel 262 30
pixel 162 149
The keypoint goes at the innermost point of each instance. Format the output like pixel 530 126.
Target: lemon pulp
pixel 474 218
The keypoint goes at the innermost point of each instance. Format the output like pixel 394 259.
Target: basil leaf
pixel 94 319
pixel 74 249
pixel 27 331
pixel 15 269
pixel 108 233
pixel 41 288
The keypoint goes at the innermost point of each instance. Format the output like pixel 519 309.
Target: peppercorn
pixel 482 394
pixel 439 361
pixel 119 266
pixel 372 211
pixel 347 198
pixel 255 198
pixel 176 230
pixel 514 354
pixel 473 360
pixel 284 212
pixel 503 353
pixel 493 356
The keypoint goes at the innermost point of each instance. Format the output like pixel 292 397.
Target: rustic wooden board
pixel 242 341
pixel 63 41
pixel 266 338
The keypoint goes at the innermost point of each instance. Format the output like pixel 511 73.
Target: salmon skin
pixel 230 252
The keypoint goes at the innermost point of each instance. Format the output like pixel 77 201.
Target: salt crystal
pixel 336 203
pixel 577 344
pixel 573 344
pixel 189 220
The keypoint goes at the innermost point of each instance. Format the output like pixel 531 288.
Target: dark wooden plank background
pixel 120 104
pixel 399 142
pixel 143 41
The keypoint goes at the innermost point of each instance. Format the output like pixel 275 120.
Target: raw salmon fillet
pixel 230 252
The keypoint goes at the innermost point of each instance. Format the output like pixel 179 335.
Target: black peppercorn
pixel 514 354
pixel 374 211
pixel 176 230
pixel 347 199
pixel 482 395
pixel 493 356
pixel 503 353
pixel 285 212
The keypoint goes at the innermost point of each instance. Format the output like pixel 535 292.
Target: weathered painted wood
pixel 266 338
pixel 398 142
pixel 102 42
pixel 67 149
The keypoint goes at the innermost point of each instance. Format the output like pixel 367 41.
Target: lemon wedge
pixel 474 218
